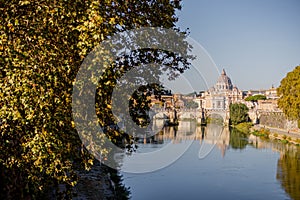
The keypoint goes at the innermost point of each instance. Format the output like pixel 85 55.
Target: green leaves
pixel 256 97
pixel 289 93
pixel 238 113
pixel 42 45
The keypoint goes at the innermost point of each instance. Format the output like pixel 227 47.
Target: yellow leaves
pixel 16 22
pixel 30 116
pixel 73 183
pixel 289 92
pixel 96 36
pixel 16 115
pixel 107 83
pixel 90 161
pixel 112 21
pixel 10 26
pixel 11 161
pixel 22 3
pixel 61 123
pixel 37 162
pixel 73 124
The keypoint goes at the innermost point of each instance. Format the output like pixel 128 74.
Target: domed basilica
pixel 222 94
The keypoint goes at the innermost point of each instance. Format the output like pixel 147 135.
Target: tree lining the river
pixel 43 43
pixel 289 95
pixel 238 113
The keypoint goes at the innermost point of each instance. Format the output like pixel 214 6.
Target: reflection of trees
pixel 214 119
pixel 238 140
pixel 288 173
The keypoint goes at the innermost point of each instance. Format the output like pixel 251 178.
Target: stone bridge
pixel 199 114
pixel 218 113
pixel 178 113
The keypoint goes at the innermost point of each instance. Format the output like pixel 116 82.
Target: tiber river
pixel 218 164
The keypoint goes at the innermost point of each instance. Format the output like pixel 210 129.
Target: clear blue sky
pixel 256 41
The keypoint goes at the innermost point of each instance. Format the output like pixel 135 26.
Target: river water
pixel 215 163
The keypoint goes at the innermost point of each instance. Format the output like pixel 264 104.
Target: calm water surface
pixel 230 165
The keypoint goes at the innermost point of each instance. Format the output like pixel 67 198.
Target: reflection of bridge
pixel 199 114
pixel 211 135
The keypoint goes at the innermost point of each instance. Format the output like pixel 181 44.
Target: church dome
pixel 224 82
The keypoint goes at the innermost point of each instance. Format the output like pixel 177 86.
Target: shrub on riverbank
pixel 266 133
pixel 263 132
pixel 243 127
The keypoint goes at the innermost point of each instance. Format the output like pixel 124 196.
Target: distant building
pixel 269 105
pixel 222 94
pixel 219 97
pixel 271 93
pixel 255 92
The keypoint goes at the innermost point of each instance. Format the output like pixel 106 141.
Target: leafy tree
pixel 191 104
pixel 238 113
pixel 256 97
pixel 289 93
pixel 42 45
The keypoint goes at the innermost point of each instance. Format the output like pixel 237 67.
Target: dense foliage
pixel 190 104
pixel 238 113
pixel 289 93
pixel 256 97
pixel 42 45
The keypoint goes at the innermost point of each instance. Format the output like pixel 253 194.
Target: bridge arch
pixel 217 116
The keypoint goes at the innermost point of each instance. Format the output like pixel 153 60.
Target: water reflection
pixel 288 172
pixel 214 135
pixel 238 140
pixel 215 138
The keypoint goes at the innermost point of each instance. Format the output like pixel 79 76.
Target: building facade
pixel 221 95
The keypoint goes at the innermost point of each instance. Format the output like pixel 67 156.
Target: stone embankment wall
pixel 277 120
pixel 273 119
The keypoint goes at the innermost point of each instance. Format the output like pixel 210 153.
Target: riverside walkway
pixel 295 134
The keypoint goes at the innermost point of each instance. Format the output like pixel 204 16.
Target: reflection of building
pixel 222 94
pixel 188 130
pixel 217 135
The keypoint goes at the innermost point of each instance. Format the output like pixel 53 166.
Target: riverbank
pixel 101 182
pixel 284 136
pixel 94 184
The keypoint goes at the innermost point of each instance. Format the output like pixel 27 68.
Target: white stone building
pixel 222 94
